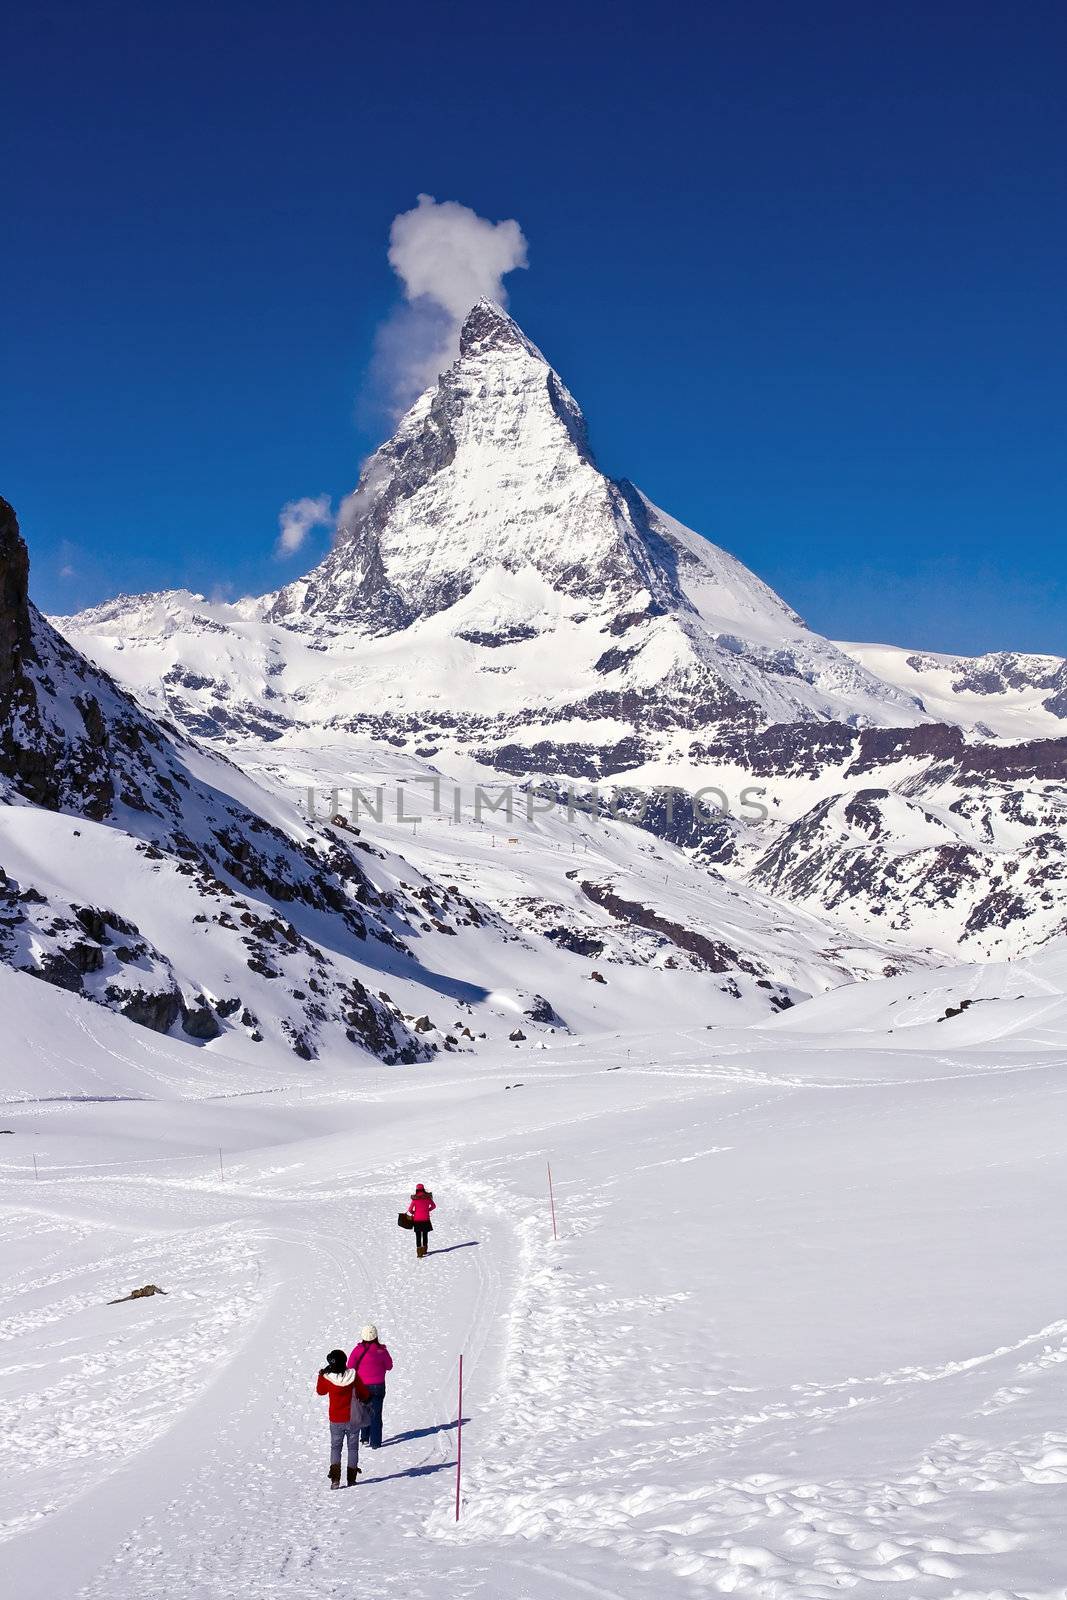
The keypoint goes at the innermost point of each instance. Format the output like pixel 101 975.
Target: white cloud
pixel 450 255
pixel 296 520
pixel 446 257
pixel 67 572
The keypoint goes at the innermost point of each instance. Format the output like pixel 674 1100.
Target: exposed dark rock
pixel 185 679
pixel 56 966
pixel 492 641
pixel 159 1011
pixel 93 922
pixel 623 621
pixel 541 1010
pixel 380 1029
pixel 567 760
pixel 85 955
pixel 615 659
pixel 199 1021
pixel 714 955
pixel 15 632
pixel 580 944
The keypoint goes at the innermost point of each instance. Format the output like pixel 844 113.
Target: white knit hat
pixel 369 1334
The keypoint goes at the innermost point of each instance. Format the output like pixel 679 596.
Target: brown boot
pixel 335 1474
pixel 353 1473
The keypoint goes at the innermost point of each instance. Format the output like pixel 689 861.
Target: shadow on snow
pixel 410 1472
pixel 419 1433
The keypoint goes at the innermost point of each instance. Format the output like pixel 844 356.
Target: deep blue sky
pixel 803 266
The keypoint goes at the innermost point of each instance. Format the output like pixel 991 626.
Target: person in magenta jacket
pixel 422 1203
pixel 370 1361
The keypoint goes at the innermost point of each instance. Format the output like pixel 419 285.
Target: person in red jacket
pixel 348 1413
pixel 422 1203
pixel 370 1361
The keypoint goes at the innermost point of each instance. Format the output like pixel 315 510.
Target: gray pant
pixel 339 1432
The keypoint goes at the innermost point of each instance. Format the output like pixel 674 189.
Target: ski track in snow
pixel 647 1412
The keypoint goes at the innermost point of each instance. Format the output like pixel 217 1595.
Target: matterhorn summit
pixel 489 472
pixel 485 524
pixel 490 578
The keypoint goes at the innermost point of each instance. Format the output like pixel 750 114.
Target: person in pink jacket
pixel 370 1361
pixel 422 1203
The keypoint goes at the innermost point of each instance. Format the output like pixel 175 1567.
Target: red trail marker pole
pixel 552 1201
pixel 459 1438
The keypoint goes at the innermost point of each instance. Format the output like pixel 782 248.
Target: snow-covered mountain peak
pixel 491 468
pixel 487 576
pixel 487 326
pixel 489 490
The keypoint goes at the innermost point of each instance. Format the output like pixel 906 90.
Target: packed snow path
pixel 803 1334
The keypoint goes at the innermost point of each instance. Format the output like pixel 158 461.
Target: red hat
pixel 420 1188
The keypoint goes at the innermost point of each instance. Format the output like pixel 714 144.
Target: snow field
pixel 64 1428
pixel 803 1333
pixel 842 1478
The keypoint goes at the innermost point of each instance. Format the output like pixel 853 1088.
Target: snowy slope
pixel 60 1047
pixel 573 882
pixel 1002 695
pixel 984 874
pixel 163 881
pixel 801 1335
pixel 1006 1005
pixel 101 808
